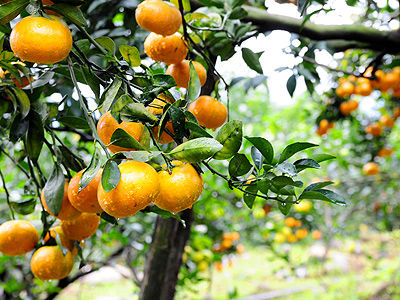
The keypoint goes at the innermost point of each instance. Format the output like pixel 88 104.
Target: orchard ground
pixel 361 268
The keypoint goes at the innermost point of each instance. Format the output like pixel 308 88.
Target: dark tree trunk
pixel 164 258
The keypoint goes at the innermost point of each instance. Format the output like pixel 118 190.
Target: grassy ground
pixel 365 269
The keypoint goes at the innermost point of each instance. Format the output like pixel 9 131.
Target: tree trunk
pixel 164 257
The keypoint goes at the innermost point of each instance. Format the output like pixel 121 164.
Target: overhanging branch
pixel 339 37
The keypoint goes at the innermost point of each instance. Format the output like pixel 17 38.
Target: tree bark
pixel 164 258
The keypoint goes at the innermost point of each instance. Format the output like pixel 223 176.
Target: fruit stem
pixel 7 195
pixel 169 166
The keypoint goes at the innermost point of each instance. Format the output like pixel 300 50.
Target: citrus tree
pixel 111 112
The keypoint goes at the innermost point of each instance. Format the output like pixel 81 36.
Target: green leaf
pixel 111 176
pixel 135 112
pixel 263 185
pixel 92 81
pixel 292 149
pixel 285 207
pixel 164 80
pixel 238 13
pixel 10 10
pixel 90 172
pixel 71 12
pixel 23 101
pixel 164 214
pixel 249 198
pixel 109 219
pixel 123 139
pixel 196 130
pixel 317 185
pixel 177 117
pixel 54 190
pixel 264 146
pixel 306 163
pixel 322 157
pixel 252 59
pixel 324 195
pixel 196 150
pixel 239 165
pixel 230 136
pixel 291 85
pixel 131 55
pixel 257 157
pixel 194 88
pixel 282 181
pixel 111 94
pixel 35 137
pixel 107 43
pixel 25 207
pixel 73 122
pixel 18 128
pixel 287 168
pixel 186 4
pixel 70 160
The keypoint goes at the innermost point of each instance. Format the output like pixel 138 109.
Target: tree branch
pixel 342 36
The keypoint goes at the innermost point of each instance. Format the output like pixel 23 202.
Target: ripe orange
pixel 156 107
pixel 298 223
pixel 384 152
pixel 316 234
pixel 138 186
pixel 396 112
pixel 290 222
pixel 179 190
pixel 107 125
pixel 218 266
pixel 232 236
pixel 170 49
pixel 82 227
pixel 364 88
pixel 301 233
pixel 240 249
pixel 387 121
pixel 65 242
pixel 17 237
pixel 181 74
pixel 292 238
pixel 25 81
pixel 370 168
pixel 374 129
pixel 210 112
pixel 389 81
pixel 49 263
pixel 158 16
pixel 67 211
pixel 41 40
pixel 345 89
pixel 86 199
pixel 348 107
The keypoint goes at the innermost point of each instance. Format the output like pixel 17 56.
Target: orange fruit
pixel 210 112
pixel 292 238
pixel 180 189
pixel 181 74
pixel 348 107
pixel 48 11
pixel 298 223
pixel 301 233
pixel 65 242
pixel 41 40
pixel 345 89
pixel 374 129
pixel 384 152
pixel 240 249
pixel 396 112
pixel 49 263
pixel 17 237
pixel 370 168
pixel 316 234
pixel 107 125
pixel 158 16
pixel 156 107
pixel 170 49
pixel 218 266
pixel 232 236
pixel 396 92
pixel 25 81
pixel 364 89
pixel 80 228
pixel 389 81
pixel 266 208
pixel 67 211
pixel 290 222
pixel 138 186
pixel 387 121
pixel 86 199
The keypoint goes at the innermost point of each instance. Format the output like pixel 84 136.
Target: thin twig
pixel 7 195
